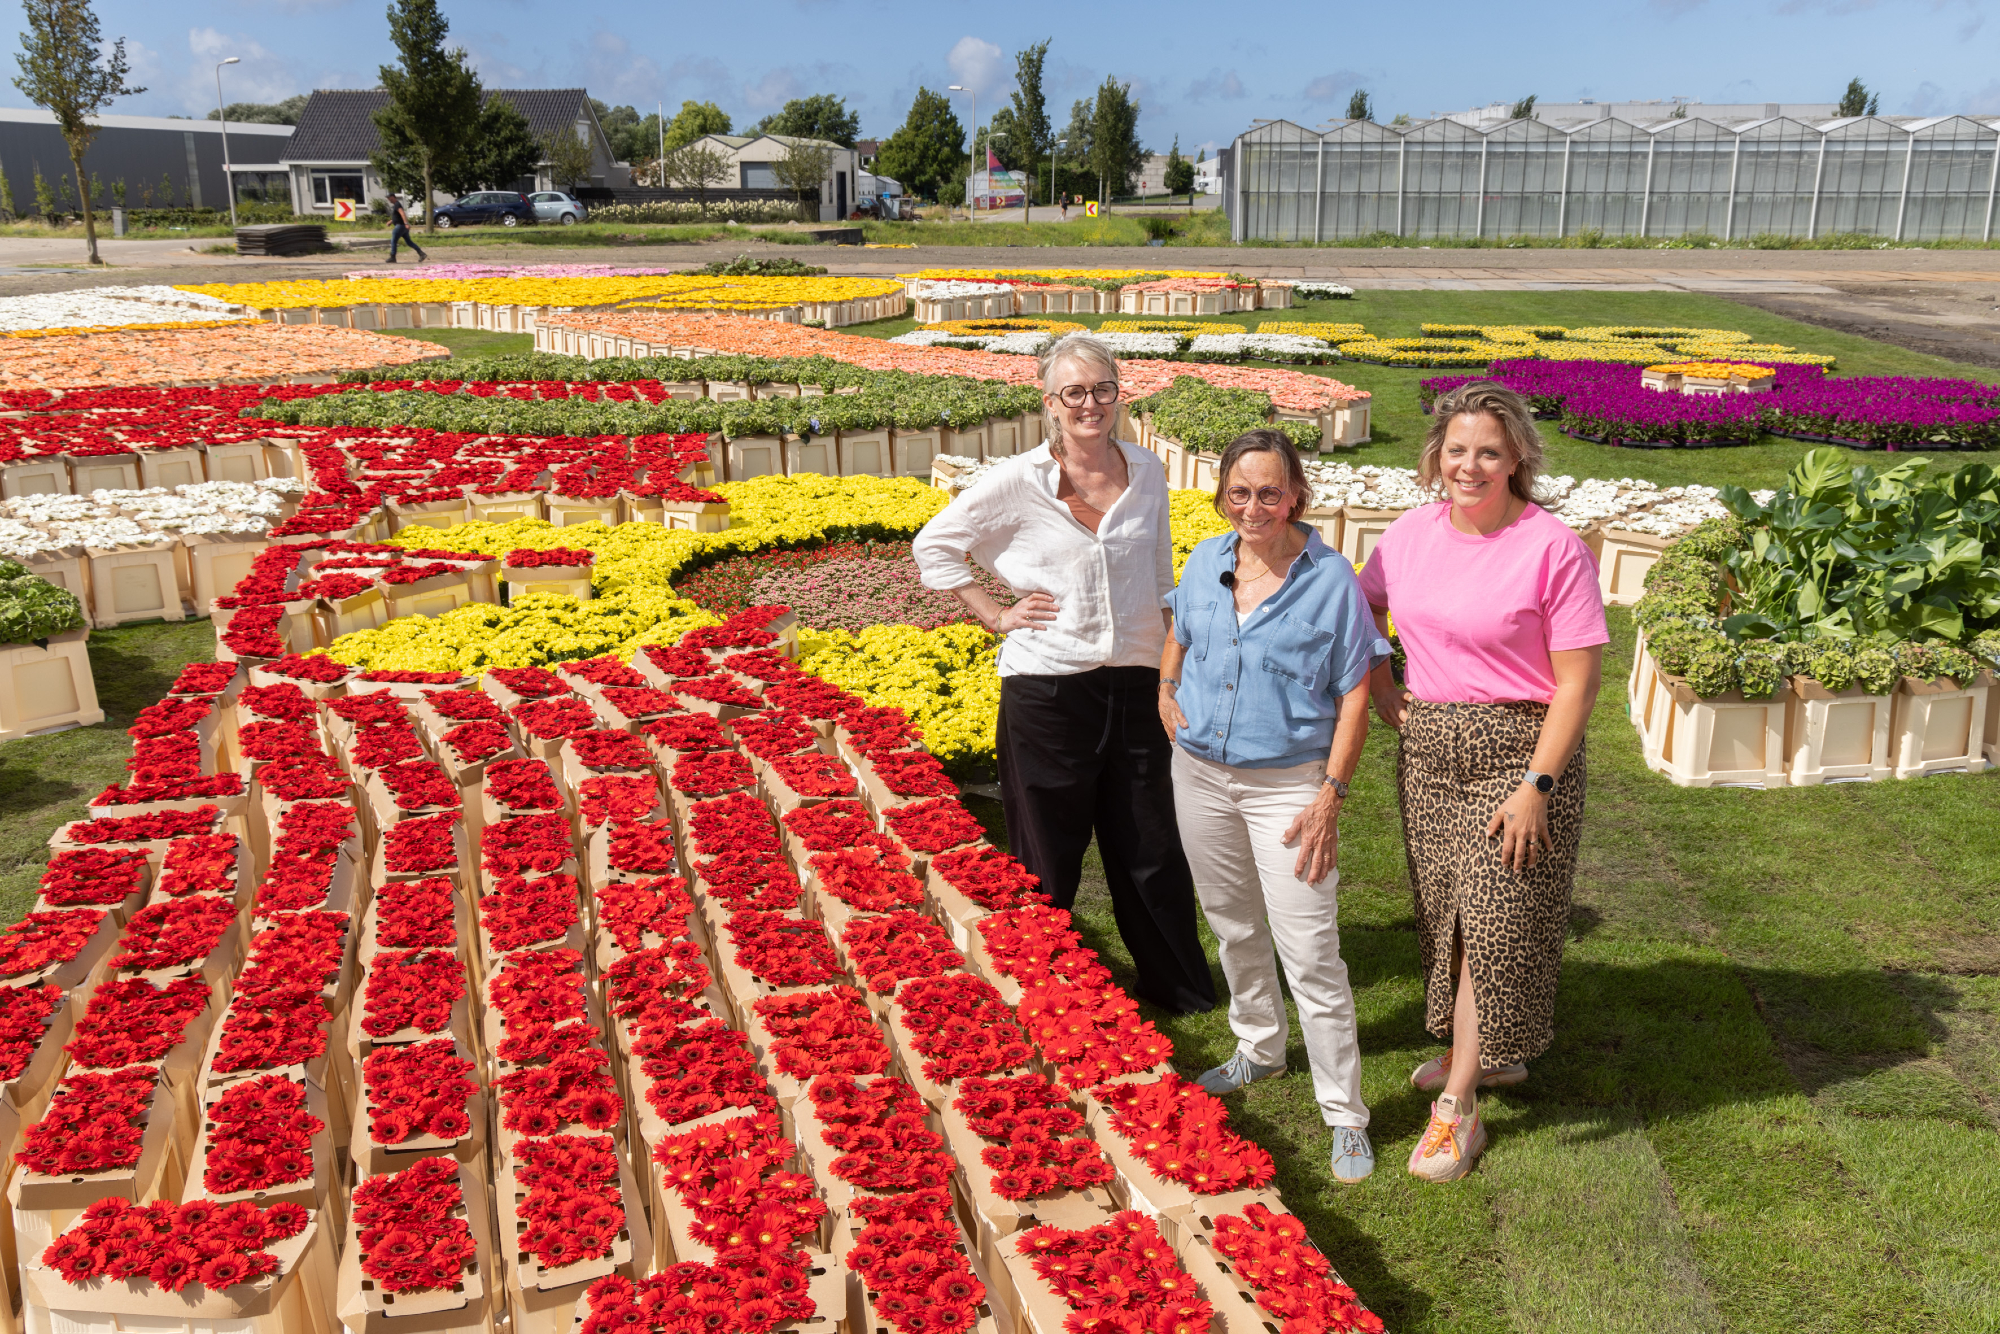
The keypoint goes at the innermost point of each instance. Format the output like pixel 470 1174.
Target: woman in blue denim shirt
pixel 1264 689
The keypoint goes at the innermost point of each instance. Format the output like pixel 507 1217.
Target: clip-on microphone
pixel 1228 579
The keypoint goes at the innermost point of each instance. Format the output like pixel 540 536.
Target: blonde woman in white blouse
pixel 1078 528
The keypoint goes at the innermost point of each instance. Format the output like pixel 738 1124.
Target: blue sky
pixel 1195 72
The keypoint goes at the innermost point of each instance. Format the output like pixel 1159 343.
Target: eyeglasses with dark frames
pixel 1073 395
pixel 1268 496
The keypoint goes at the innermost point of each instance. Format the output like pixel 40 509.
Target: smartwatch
pixel 1542 783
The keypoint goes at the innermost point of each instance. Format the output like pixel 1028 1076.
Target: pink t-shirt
pixel 1479 616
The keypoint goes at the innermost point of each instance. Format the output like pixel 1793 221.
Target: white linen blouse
pixel 1109 586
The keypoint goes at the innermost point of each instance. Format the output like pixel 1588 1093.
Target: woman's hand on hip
pixel 1392 705
pixel 1033 612
pixel 1171 716
pixel 1522 822
pixel 1316 830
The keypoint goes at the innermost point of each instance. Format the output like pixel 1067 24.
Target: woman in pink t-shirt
pixel 1496 604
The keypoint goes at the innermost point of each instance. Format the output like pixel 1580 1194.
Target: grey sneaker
pixel 1353 1154
pixel 1237 1071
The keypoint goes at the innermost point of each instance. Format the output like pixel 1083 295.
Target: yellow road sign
pixel 1090 209
pixel 343 210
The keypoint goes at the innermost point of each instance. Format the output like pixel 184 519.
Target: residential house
pixel 327 158
pixel 753 163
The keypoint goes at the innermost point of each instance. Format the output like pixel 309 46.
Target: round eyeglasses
pixel 1268 496
pixel 1073 395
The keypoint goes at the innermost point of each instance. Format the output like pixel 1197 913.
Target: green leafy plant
pixel 32 608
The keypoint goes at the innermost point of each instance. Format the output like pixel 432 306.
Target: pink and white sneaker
pixel 1432 1075
pixel 1451 1144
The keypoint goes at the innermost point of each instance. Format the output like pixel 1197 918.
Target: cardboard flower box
pixel 42 1192
pixel 1361 529
pixel 42 475
pixel 1724 741
pixel 467 1307
pixel 373 1158
pixel 294 1297
pixel 504 506
pixel 1622 562
pixel 104 472
pixel 320 1189
pixel 459 1028
pixel 571 580
pixel 433 595
pixel 867 454
pixel 86 964
pixel 245 461
pixel 545 1301
pixel 217 562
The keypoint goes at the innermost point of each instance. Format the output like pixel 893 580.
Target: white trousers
pixel 1233 823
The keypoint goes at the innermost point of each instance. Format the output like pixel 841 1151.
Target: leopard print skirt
pixel 1459 763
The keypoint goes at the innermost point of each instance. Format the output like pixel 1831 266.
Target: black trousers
pixel 1087 753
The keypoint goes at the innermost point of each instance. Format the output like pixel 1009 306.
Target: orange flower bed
pixel 199 356
pixel 1290 390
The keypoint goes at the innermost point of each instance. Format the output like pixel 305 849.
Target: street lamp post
pixel 972 159
pixel 222 115
pixel 1054 150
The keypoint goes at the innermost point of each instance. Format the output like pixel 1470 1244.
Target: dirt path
pixel 1960 321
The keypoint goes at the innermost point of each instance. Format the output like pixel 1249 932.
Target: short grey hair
pixel 1084 347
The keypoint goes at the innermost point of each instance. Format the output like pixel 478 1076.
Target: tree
pixel 1180 173
pixel 695 120
pixel 60 71
pixel 1523 108
pixel 693 167
pixel 804 167
pixel 928 150
pixel 1030 132
pixel 502 151
pixel 1115 153
pixel 821 116
pixel 434 110
pixel 569 157
pixel 286 112
pixel 1358 107
pixel 1857 100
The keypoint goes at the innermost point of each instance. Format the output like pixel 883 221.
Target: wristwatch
pixel 1339 786
pixel 1171 681
pixel 1542 783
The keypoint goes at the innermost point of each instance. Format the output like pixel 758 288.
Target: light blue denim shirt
pixel 1266 695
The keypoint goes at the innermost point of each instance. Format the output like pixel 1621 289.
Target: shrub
pixel 32 608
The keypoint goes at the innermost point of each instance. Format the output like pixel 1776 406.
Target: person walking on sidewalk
pixel 1498 608
pixel 1264 689
pixel 1078 527
pixel 399 230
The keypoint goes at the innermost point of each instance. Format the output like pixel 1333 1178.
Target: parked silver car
pixel 557 207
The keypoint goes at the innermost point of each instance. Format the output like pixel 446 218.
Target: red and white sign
pixel 343 210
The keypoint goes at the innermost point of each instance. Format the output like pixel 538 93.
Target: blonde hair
pixel 1083 347
pixel 1517 423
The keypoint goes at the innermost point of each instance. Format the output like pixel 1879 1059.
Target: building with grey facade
pixel 1900 177
pixel 163 162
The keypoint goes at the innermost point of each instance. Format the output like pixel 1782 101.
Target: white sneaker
pixel 1451 1144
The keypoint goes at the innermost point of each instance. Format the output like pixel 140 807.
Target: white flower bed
pixel 1024 342
pixel 152 517
pixel 112 305
pixel 1140 344
pixel 1280 347
pixel 1321 291
pixel 972 471
pixel 940 290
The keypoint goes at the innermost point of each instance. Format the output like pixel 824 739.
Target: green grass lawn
pixel 1771 1103
pixel 1397 423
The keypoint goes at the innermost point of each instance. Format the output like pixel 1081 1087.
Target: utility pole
pixel 972 158
pixel 222 115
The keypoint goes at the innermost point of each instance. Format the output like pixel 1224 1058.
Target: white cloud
pixel 1332 87
pixel 980 66
pixel 260 76
pixel 614 72
pixel 1225 84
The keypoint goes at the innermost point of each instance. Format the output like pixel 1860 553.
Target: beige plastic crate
pixel 104 472
pixel 246 462
pixel 46 476
pixel 134 584
pixel 1937 727
pixel 755 456
pixel 170 467
pixel 1837 736
pixel 1361 529
pixel 216 564
pixel 43 689
pixel 1728 741
pixel 914 450
pixel 866 454
pixel 1623 561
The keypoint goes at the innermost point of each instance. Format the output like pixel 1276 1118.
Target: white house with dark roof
pixel 327 156
pixel 753 160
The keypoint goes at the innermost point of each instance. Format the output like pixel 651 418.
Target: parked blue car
pixel 509 208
